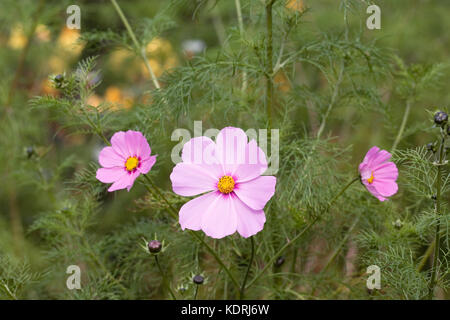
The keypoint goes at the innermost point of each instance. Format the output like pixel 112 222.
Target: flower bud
pixel 279 262
pixel 29 152
pixel 154 246
pixel 431 147
pixel 440 118
pixel 398 224
pixel 182 289
pixel 59 78
pixel 198 279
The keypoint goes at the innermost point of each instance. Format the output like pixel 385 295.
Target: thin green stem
pixel 332 101
pixel 164 278
pixel 8 291
pixel 426 256
pixel 269 64
pixel 242 292
pixel 196 292
pixel 241 32
pixel 298 236
pixel 138 46
pixel 402 126
pixel 174 214
pixel 437 240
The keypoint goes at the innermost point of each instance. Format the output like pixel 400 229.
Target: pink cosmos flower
pixel 378 174
pixel 125 160
pixel 228 174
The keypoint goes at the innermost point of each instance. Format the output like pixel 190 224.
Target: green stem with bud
pixel 298 236
pixel 174 214
pixel 434 269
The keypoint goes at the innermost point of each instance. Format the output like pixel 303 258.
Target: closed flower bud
pixel 398 224
pixel 431 147
pixel 279 262
pixel 440 118
pixel 154 246
pixel 29 152
pixel 198 279
pixel 182 289
pixel 59 78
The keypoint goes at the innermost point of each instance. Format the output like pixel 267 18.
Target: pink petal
pixel 374 191
pixel 190 179
pixel 370 154
pixel 386 188
pixel 220 220
pixel 109 158
pixel 255 193
pixel 199 150
pixel 191 213
pixel 118 142
pixel 147 164
pixel 125 182
pixel 250 221
pixel 255 163
pixel 230 149
pixel 108 175
pixel 137 144
pixel 379 158
pixel 386 171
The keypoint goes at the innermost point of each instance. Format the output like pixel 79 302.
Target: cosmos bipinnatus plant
pixel 90 180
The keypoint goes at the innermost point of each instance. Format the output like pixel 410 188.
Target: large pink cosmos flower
pixel 228 172
pixel 125 160
pixel 378 174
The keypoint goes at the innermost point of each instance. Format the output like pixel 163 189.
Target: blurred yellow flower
pixel 94 100
pixel 159 46
pixel 68 41
pixel 297 5
pixel 57 64
pixel 282 82
pixel 17 38
pixel 43 33
pixel 116 96
pixel 160 56
pixel 48 88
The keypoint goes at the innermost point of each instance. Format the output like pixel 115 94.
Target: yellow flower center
pixel 132 163
pixel 226 184
pixel 370 180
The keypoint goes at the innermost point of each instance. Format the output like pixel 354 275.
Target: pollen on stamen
pixel 226 184
pixel 132 163
pixel 370 180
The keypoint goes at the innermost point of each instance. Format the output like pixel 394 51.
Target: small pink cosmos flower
pixel 125 160
pixel 378 174
pixel 228 174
